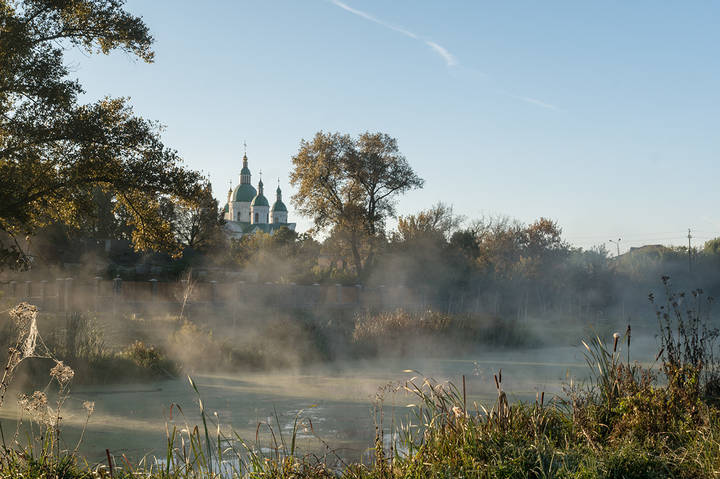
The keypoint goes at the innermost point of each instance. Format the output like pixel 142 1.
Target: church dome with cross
pixel 247 210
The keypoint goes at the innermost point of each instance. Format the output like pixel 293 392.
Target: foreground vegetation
pixel 629 420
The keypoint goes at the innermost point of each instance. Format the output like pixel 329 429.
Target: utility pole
pixel 689 252
pixel 617 243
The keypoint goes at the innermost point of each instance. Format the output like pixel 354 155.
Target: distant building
pixel 248 211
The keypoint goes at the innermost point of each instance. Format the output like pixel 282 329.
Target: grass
pixel 628 421
pixel 80 341
pixel 399 331
pixel 135 348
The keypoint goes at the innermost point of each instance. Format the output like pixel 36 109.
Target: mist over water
pixel 262 352
pixel 337 396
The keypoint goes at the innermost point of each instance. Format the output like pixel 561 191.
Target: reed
pixel 628 421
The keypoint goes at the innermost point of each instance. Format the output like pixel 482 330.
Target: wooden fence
pixel 98 294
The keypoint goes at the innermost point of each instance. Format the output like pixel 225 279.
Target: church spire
pixel 245 172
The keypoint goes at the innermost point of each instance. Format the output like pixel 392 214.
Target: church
pixel 247 210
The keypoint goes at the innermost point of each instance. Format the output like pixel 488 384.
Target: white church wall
pixel 242 208
pixel 259 214
pixel 278 217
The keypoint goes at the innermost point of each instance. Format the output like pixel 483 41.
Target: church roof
pixel 260 200
pixel 244 193
pixel 279 206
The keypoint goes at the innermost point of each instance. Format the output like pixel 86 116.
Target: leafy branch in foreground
pixel 54 150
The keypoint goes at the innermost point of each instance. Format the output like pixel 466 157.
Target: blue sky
pixel 603 116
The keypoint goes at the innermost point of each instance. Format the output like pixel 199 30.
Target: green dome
pixel 244 193
pixel 260 200
pixel 245 171
pixel 226 208
pixel 279 206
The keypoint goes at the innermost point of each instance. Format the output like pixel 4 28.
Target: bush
pixel 150 359
pixel 688 345
pixel 400 329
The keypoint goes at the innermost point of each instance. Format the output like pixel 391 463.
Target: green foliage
pixel 150 359
pixel 56 152
pixel 712 247
pixel 350 186
pixel 284 256
pixel 624 424
pixel 196 224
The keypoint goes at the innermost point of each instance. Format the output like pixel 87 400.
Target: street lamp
pixel 617 243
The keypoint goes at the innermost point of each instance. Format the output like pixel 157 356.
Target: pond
pixel 337 399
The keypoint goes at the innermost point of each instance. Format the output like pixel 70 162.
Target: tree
pixel 53 150
pixel 351 185
pixel 438 222
pixel 712 247
pixel 283 256
pixel 197 224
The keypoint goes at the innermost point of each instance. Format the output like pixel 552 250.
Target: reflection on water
pixel 336 400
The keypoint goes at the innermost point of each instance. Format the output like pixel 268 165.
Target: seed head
pixel 61 373
pixel 35 405
pixel 23 314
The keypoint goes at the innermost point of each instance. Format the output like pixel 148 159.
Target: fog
pixel 261 341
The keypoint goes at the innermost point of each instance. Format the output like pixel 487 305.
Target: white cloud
pixel 373 19
pixel 449 58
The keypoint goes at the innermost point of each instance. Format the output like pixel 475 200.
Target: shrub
pixel 688 345
pixel 395 331
pixel 149 357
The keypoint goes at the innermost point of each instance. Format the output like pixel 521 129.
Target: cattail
pixel 628 334
pixel 662 350
pixel 616 336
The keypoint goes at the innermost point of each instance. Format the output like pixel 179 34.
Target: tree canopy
pixel 351 185
pixel 437 222
pixel 54 151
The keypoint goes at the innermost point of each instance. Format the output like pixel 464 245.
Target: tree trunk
pixel 356 255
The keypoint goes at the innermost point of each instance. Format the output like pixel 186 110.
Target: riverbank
pixel 629 421
pixel 109 349
pixel 626 419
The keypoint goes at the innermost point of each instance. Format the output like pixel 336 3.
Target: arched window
pixel 257 215
pixel 238 216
